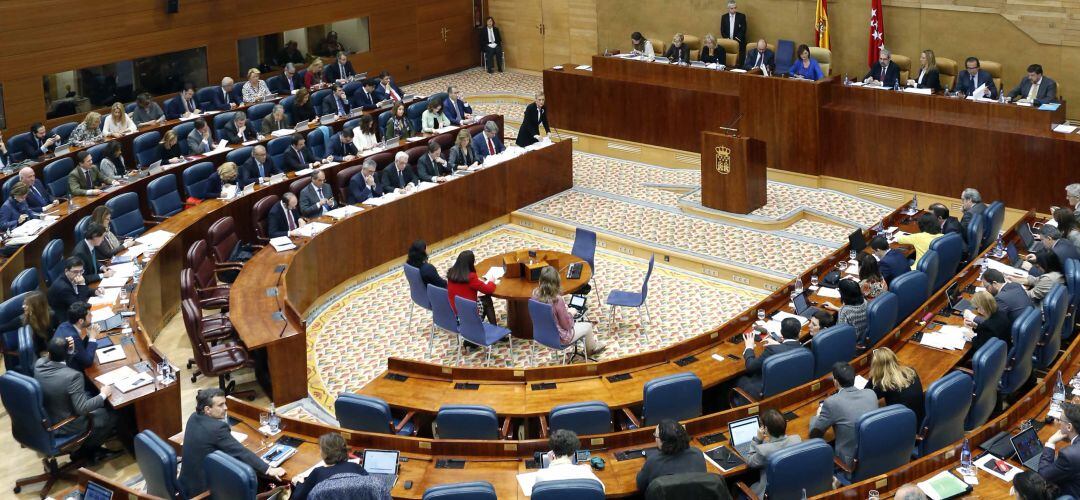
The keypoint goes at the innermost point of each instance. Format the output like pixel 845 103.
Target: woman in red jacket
pixel 462 281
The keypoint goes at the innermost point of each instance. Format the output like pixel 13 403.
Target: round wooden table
pixel 516 289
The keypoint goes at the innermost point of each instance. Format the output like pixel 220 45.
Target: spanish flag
pixel 821 24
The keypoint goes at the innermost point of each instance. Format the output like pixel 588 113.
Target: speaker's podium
pixel 733 177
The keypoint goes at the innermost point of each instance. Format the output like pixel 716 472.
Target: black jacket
pixel 530 125
pixel 678 54
pixel 62 293
pixel 391 180
pixel 932 79
pixel 204 435
pixel 293 161
pixel 230 134
pixel 276 223
pixel 740 27
pixel 427 169
pixel 91 267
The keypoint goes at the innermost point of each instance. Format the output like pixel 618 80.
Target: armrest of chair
pixel 631 417
pixel 152 222
pixel 543 426
pixel 268 494
pixel 256 246
pixel 229 266
pixel 966 370
pixel 745 395
pixel 401 424
pixel 158 218
pixel 746 490
pixel 504 432
pixel 55 427
pixel 212 288
pixel 202 496
pixel 76 443
pixel 841 465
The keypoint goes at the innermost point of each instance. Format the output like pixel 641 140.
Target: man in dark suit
pixel 1062 467
pixel 337 102
pixel 80 335
pixel 891 262
pixel 759 56
pixel 64 395
pixel 1035 87
pixel 283 217
pixel 39 197
pixel 387 89
pixel 431 167
pixel 85 179
pixel 1053 241
pixel 363 184
pixel 238 130
pixel 491 43
pixel 200 141
pixel 364 97
pixel 397 176
pixel 86 251
pixel 258 166
pixel 454 108
pixel 289 81
pixel 343 149
pixel 38 145
pixel 69 288
pixel 972 203
pixel 340 69
pixel 206 432
pixel 789 330
pixel 298 156
pixel 316 199
pixel 487 143
pixel 733 26
pixel 223 99
pixel 183 105
pixel 948 223
pixel 968 81
pixel 1009 296
pixel 535 115
pixel 884 73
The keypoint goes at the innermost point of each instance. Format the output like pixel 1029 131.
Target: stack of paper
pixel 344 211
pixel 282 244
pixel 1004 268
pixel 987 463
pixel 131 383
pixel 913 90
pixel 114 376
pixel 283 132
pixel 782 315
pixel 443 130
pixel 109 354
pixel 948 337
pixel 584 67
pixel 126 270
pixel 29 228
pixel 526 481
pixel 832 293
pixel 301 173
pixel 108 296
pixel 312 229
pixel 113 282
pixel 494 273
pixel 1065 128
pixel 155 239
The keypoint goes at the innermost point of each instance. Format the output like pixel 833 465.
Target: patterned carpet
pixel 476 81
pixel 350 340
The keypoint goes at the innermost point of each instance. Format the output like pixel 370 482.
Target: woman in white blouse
pixel 364 134
pixel 255 89
pixel 118 122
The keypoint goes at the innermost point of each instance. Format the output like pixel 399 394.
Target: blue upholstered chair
pixel 205 96
pixel 26 351
pixel 475 490
pixel 414 112
pixel 910 290
pixel 589 417
pixel 988 363
pixel 1072 283
pixel 97 152
pixel 1054 308
pixel 358 412
pixel 146 148
pixel 55 176
pixel 466 422
pixel 384 118
pixel 442 315
pixel 163 197
pixel 195 180
pixel 568 489
pixel 677 397
pixel 950 250
pixel 15 146
pixel 276 149
pixel 807 466
pixel 884 438
pixel 81 227
pixel 418 292
pixel 157 464
pixel 318 142
pixel 546 332
pixel 52 260
pixel 127 218
pixel 832 345
pixel 27 280
pixel 930 265
pixel 228 478
pixel 257 112
pixel 995 218
pixel 585 249
pixel 8 184
pixel 975 230
pixel 182 131
pixel 781 372
pixel 287 103
pixel 220 120
pixel 881 317
pixel 64 130
pixel 785 56
pixel 1018 367
pixel 479 332
pixel 948 400
pixel 351 124
pixel 317 99
pixel 621 298
pixel 239 156
pixel 10 310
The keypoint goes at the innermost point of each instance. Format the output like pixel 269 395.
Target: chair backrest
pixel 81 227
pixel 27 280
pixel 645 282
pixel 220 120
pixel 358 412
pixel 833 344
pixel 904 63
pixel 52 260
pixel 276 148
pixel 469 324
pixel 316 142
pixel 545 331
pixel 22 397
pixel 947 69
pixel 415 153
pixel 975 230
pixel 881 316
pixel 287 103
pixel 222 239
pixel 197 258
pixel 1054 306
pixel 195 179
pixel 731 50
pixel 805 466
pixel 64 130
pixel 785 55
pixel 995 218
pixel 127 219
pixel 163 196
pixel 259 111
pixel 568 489
pixel 414 112
pixel 584 246
pixel 911 290
pixel 475 490
pixel 55 176
pixel 676 396
pixel 948 400
pixel 205 96
pixel 351 124
pixel 950 251
pixel 182 131
pixel 15 146
pixel 441 312
pixel 5 191
pixel 930 265
pixel 384 117
pixel 466 422
pixel 341 181
pixel 994 68
pixel 589 417
pixel 988 363
pixel 1072 283
pixel 1025 333
pixel 98 152
pixel 145 145
pixel 317 99
pixel 229 478
pixel 27 351
pixel 157 464
pixel 786 370
pixel 417 289
pixel 696 485
pixel 298 185
pixel 259 211
pixel 884 438
pixel 239 156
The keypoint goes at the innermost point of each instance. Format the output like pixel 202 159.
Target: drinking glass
pixel 874 495
pixel 761 315
pixel 814 280
pixel 264 419
pixel 851 255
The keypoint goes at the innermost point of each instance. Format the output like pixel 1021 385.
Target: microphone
pixel 279 315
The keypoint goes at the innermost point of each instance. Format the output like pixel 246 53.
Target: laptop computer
pixel 742 432
pixel 111 322
pixel 1028 448
pixel 857 241
pixel 956 302
pixel 382 465
pixel 802 305
pixel 1028 238
pixel 1014 256
pixel 96 491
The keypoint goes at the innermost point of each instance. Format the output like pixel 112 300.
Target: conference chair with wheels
pixel 418 293
pixel 804 467
pixel 26 351
pixel 225 245
pixel 995 218
pixel 676 397
pixel 782 372
pixel 988 363
pixel 384 118
pixel 948 400
pixel 696 485
pixel 910 290
pixel 351 124
pixel 212 360
pixel 832 345
pixel 442 315
pixel 885 438
pixel 195 180
pixel 205 96
pixel 215 327
pixel 904 63
pixel 948 70
pixel 24 401
pixel 589 417
pixel 127 218
pixel 163 197
pixel 585 249
pixel 469 422
pixel 620 298
pixel 930 265
pixel 357 412
pixel 230 479
pixel 1018 368
pixel 15 146
pixel 341 183
pixel 52 261
pixel 881 317
pixel 158 465
pixel 210 292
pixel 475 330
pixel 239 156
pixel 546 333
pixel 81 227
pixel 974 236
pixel 55 176
pixel 27 280
pixel 1054 307
pixel 950 251
pixel 146 150
pixel 475 490
pixel 568 489
pixel 259 213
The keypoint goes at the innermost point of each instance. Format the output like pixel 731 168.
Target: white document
pixel 109 296
pixel 448 128
pixel 228 191
pixel 282 244
pixel 738 70
pixel 913 90
pixel 155 239
pixel 131 383
pixel 585 67
pixel 494 273
pixel 114 376
pixel 301 173
pixel 856 84
pixel 772 326
pixel 526 481
pixel 1065 128
pixel 979 92
pixel 135 251
pixel 101 314
pixel 30 227
pixel 1004 268
pixel 283 132
pixel 240 437
pixel 312 229
pixel 984 464
pixel 832 293
pixel 125 270
pixel 249 143
pixel 221 146
pixel 782 315
pixel 109 354
pixel 861 382
pixel 113 282
pixel 344 211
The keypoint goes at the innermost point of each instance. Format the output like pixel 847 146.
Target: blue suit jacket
pixel 220 102
pixel 479 145
pixel 10 212
pixel 332 74
pixel 1013 299
pixel 359 191
pixel 382 95
pixel 965 84
pixel 39 195
pixel 1063 469
pixel 249 171
pixel 364 101
pixel 448 110
pixel 83 357
pixel 893 264
pixel 174 108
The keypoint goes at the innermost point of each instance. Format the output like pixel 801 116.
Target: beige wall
pixel 954 34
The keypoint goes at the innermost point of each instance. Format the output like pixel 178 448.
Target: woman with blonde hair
pixel 255 89
pixel 224 176
pixel 711 52
pixel 462 155
pixel 118 123
pixel 995 323
pixel 570 331
pixel 928 76
pixel 313 77
pixel 169 148
pixel 678 52
pixel 89 130
pixel 895 383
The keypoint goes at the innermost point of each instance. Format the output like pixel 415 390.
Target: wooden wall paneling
pixel 556 32
pixel 583 36
pixel 440 51
pixel 519 24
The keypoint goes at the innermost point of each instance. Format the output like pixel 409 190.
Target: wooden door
pixel 519 23
pixel 445 35
pixel 556 31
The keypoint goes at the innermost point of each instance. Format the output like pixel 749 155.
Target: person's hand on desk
pixel 349 158
pixel 106 272
pixel 830 306
pixel 106 392
pixel 275 472
pixel 748 340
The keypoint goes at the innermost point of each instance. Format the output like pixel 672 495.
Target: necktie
pixel 36 192
pixel 262 173
pixel 457 110
pixel 190 105
pixel 340 106
pixel 289 217
pixel 883 74
pixel 226 93
pixel 300 155
pixel 89 182
pixel 491 146
pixel 341 71
pixel 291 83
pixel 758 59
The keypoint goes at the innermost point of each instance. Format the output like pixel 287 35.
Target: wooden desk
pixel 517 290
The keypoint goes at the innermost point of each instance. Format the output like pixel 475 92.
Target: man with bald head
pixel 39 197
pixel 257 168
pixel 759 57
pixel 284 219
pixel 223 99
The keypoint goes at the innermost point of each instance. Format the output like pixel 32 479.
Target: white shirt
pixel 363 141
pixel 562 468
pixel 922 73
pixel 491 37
pixel 731 25
pixel 111 127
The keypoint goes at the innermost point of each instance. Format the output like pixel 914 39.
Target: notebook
pixel 1028 448
pixel 382 465
pixel 742 432
pixel 802 305
pixel 956 302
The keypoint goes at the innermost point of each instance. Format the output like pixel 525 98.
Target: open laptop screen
pixel 380 461
pixel 742 431
pixel 1027 444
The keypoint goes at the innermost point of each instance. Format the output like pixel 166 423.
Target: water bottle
pixel 846 81
pixel 274 420
pixel 896 85
pixel 1059 390
pixel 965 458
pixel 803 497
pixel 798 286
pixel 914 205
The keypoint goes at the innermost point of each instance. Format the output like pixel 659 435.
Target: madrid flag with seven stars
pixel 877 32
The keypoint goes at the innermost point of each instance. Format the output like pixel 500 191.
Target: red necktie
pixel 393 95
pixel 491 146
